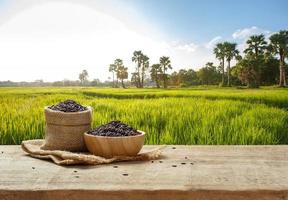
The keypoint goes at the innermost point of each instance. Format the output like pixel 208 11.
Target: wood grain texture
pixel 109 147
pixel 186 172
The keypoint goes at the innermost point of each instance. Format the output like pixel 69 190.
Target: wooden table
pixel 186 172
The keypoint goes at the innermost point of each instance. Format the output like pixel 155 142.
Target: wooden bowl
pixel 114 146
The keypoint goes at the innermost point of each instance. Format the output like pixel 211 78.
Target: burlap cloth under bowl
pixel 32 147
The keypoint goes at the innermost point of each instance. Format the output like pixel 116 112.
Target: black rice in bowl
pixel 114 129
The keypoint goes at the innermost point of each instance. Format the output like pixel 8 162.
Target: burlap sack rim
pixel 32 147
pixel 89 108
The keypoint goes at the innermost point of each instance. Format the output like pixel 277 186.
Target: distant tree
pixel 189 78
pixel 183 78
pixel 113 69
pixel 122 73
pixel 219 52
pixel 144 68
pixel 95 82
pixel 134 79
pixel 165 65
pixel 256 45
pixel 208 75
pixel 248 71
pixel 155 74
pixel 279 46
pixel 40 82
pixel 230 53
pixel 269 70
pixel 83 76
pixel 118 63
pixel 142 65
pixel 137 58
pixel 253 72
pixel 174 79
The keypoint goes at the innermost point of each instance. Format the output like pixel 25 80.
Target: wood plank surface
pixel 185 172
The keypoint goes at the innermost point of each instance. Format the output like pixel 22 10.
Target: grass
pixel 175 116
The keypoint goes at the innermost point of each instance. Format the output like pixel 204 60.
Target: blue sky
pixel 202 19
pixel 40 37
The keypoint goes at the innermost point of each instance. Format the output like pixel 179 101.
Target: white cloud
pixel 247 32
pixel 242 35
pixel 189 47
pixel 211 44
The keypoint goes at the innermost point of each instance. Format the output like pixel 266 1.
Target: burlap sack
pixel 64 131
pixel 32 147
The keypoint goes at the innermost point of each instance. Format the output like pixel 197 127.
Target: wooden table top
pixel 185 172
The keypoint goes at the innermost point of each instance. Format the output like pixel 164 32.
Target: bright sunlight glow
pixel 57 40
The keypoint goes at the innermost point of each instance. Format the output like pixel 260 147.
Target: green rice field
pixel 201 115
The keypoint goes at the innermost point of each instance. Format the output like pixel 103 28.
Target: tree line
pixel 157 72
pixel 261 63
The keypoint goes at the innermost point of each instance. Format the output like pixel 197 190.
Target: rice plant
pixel 174 116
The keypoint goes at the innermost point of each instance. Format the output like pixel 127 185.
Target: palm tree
pixel 83 76
pixel 118 63
pixel 219 52
pixel 230 53
pixel 137 58
pixel 154 72
pixel 256 45
pixel 122 73
pixel 279 45
pixel 145 66
pixel 165 64
pixel 113 69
